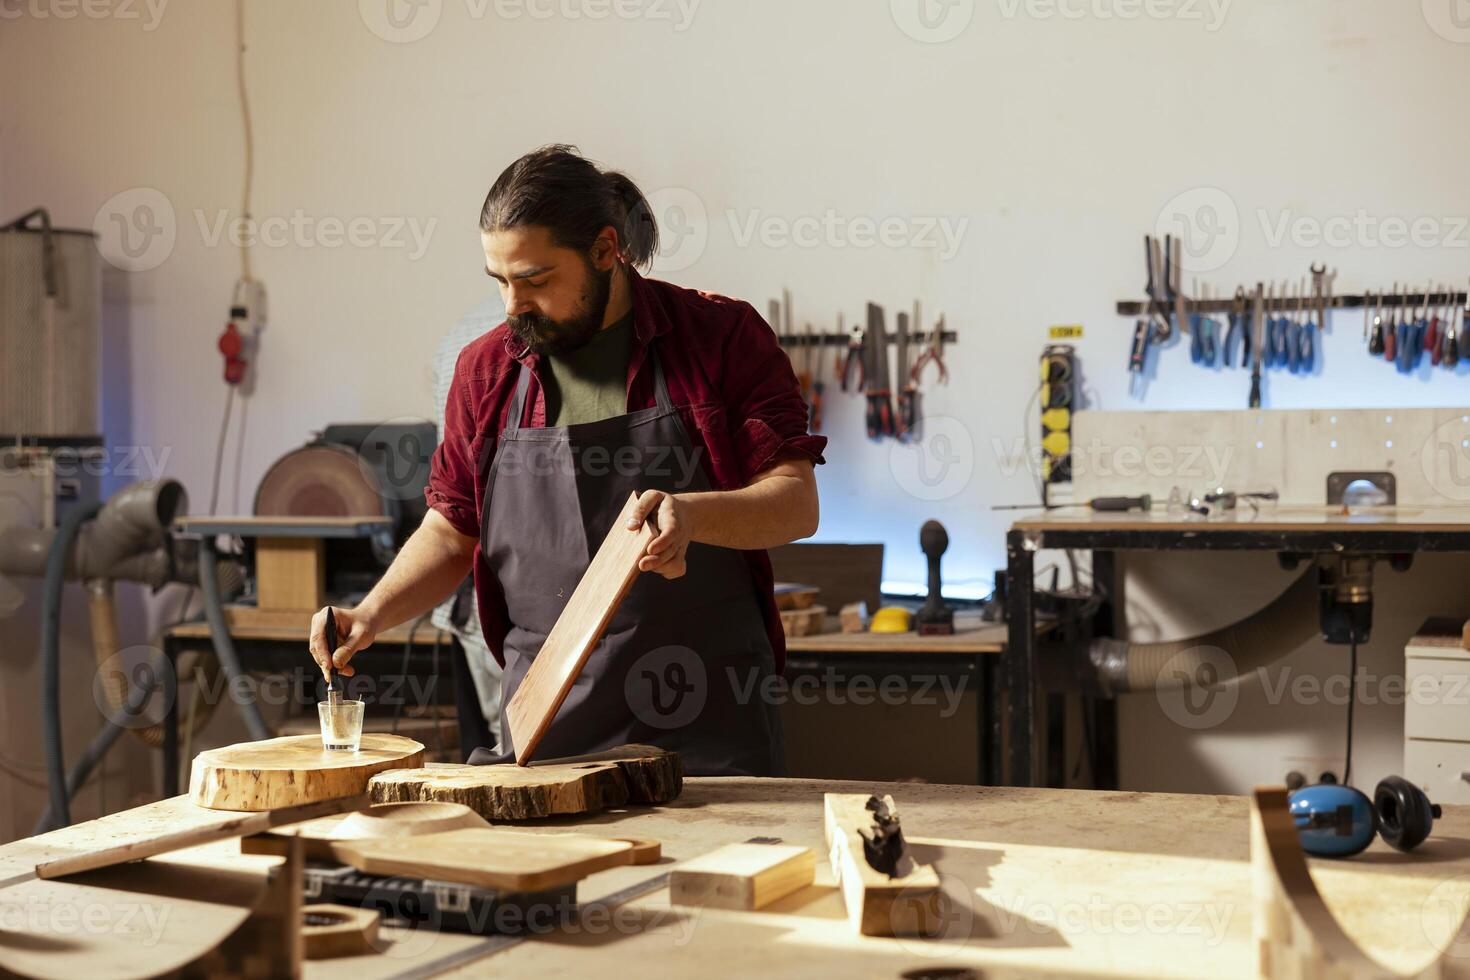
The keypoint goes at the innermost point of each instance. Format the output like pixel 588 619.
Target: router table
pixel 1044 882
pixel 1402 530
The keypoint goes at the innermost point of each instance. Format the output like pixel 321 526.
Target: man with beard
pixel 600 383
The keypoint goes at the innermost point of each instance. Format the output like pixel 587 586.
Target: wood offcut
pixel 878 904
pixel 636 774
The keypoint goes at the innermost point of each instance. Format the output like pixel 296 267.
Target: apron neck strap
pixel 516 419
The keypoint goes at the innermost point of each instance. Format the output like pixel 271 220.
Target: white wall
pixel 1054 141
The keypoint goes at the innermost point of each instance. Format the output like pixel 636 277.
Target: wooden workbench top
pixel 1054 882
pixel 1268 518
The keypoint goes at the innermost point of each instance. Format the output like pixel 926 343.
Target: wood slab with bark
pixel 575 633
pixel 639 774
pixel 294 770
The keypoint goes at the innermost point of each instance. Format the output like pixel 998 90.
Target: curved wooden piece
pixel 382 820
pixel 1296 934
pixel 290 771
pixel 329 931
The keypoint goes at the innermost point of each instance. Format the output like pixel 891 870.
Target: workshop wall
pixel 1005 176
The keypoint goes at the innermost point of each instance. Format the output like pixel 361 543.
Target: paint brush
pixel 332 696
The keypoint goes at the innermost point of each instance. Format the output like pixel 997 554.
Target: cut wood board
pixel 496 858
pixel 378 821
pixel 174 824
pixel 293 770
pixel 575 633
pixel 585 784
pixel 742 876
pixel 877 905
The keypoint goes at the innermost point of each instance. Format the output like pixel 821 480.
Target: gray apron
pixel 686 663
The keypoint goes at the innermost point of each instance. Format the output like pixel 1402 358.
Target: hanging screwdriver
pixel 1375 311
pixel 1451 337
pixel 1137 354
pixel 1391 336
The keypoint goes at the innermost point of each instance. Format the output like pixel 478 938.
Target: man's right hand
pixel 355 631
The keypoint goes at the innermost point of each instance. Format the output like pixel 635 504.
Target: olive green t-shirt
pixel 591 383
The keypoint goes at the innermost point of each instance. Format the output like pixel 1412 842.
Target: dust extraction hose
pixel 224 647
pixel 61 546
pixel 1260 639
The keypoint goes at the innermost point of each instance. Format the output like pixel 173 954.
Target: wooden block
pixel 174 824
pixel 742 876
pixel 329 931
pixel 293 770
pixel 790 595
pixel 804 622
pixel 854 617
pixel 290 573
pixel 878 905
pixel 504 860
pixel 575 633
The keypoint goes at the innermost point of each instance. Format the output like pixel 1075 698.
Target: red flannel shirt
pixel 729 379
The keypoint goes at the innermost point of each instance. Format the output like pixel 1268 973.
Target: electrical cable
pixel 1347 767
pixel 224 644
pixel 403 668
pixel 249 131
pixel 219 449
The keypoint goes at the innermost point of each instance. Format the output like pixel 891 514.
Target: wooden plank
pixel 990 638
pixel 377 821
pixel 507 860
pixel 742 876
pixel 877 905
pixel 575 633
pixel 293 770
pixel 290 573
pixel 587 784
pixel 172 825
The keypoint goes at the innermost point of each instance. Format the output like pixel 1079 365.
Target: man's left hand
pixel 674 522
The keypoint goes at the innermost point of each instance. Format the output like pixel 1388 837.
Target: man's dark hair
pixel 562 191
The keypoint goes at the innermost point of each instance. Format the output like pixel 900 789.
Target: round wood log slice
pixel 293 770
pixel 509 792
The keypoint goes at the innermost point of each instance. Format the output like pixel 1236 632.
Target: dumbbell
pixel 1339 821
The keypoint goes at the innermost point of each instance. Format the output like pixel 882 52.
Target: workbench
pixel 282 651
pixel 1282 529
pixel 1045 882
pixel 968 657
